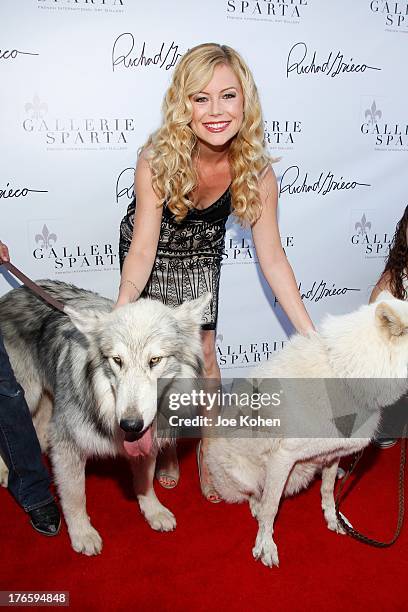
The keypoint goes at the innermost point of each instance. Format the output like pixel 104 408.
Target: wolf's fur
pixel 371 343
pixel 72 362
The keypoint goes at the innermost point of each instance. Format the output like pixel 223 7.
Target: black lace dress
pixel 189 254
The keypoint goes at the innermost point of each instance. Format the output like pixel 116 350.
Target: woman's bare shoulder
pixel 383 284
pixel 143 167
pixel 267 183
pixel 267 173
pixel 144 156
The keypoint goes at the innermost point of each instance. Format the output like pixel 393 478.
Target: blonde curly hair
pixel 171 150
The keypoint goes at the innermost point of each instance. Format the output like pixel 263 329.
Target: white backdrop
pixel 81 88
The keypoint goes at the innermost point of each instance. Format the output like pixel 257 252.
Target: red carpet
pixel 206 564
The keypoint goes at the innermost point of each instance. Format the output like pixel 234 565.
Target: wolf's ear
pixel 389 320
pixel 190 314
pixel 384 295
pixel 85 322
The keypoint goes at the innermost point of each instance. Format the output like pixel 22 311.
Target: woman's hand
pixel 128 293
pixel 4 253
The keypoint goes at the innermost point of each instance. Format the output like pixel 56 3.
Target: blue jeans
pixel 28 479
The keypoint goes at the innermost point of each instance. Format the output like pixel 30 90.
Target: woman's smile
pixel 217 126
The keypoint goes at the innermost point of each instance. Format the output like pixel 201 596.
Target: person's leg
pixel 211 372
pixel 393 421
pixel 28 479
pixel 167 467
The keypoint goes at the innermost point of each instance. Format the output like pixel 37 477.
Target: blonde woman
pixel 205 162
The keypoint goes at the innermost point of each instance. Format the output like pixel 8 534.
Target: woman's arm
pixel 383 284
pixel 146 230
pixel 272 259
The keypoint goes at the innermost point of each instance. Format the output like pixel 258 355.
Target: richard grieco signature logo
pixel 7 54
pixel 166 57
pixel 125 185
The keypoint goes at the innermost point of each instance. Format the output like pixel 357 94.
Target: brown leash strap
pixel 33 286
pixel 401 483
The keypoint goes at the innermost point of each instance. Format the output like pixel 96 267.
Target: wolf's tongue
pixel 140 447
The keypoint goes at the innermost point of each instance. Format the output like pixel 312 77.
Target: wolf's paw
pixel 254 506
pixel 162 520
pixel 87 541
pixel 335 526
pixel 157 515
pixel 266 550
pixel 3 474
pixel 332 523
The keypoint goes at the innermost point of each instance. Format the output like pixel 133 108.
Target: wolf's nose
pixel 132 425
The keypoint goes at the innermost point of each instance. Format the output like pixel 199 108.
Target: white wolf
pixel 99 370
pixel 369 344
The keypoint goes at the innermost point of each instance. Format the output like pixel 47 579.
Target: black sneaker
pixel 46 519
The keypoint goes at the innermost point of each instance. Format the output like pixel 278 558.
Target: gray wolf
pixel 90 382
pixel 369 346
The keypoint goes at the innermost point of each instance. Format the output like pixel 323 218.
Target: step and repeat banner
pixel 82 83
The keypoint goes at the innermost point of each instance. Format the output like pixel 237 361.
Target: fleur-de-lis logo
pixel 36 107
pixel 373 114
pixel 362 226
pixel 46 239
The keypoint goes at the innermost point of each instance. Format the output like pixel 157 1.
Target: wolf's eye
pixel 117 360
pixel 154 361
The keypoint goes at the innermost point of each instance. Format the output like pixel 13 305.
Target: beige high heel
pixel 164 474
pixel 208 491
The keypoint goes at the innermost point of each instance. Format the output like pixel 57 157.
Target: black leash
pixel 401 482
